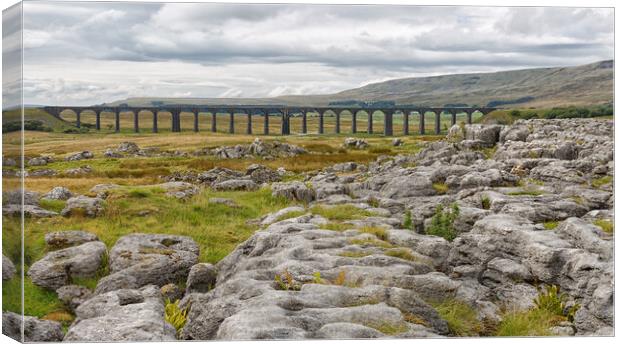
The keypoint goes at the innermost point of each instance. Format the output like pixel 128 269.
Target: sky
pixel 90 53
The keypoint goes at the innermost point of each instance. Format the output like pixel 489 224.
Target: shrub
pixel 442 223
pixel 34 125
pixel 175 316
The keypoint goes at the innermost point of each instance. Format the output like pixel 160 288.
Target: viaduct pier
pixel 265 111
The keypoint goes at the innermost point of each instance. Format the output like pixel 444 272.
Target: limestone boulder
pixel 137 260
pixel 135 315
pixel 83 205
pixel 293 191
pixel 28 210
pixel 73 295
pixel 235 185
pixel 35 330
pixel 58 193
pixel 8 268
pixel 201 278
pixel 179 190
pixel 57 268
pixel 64 239
pixel 80 156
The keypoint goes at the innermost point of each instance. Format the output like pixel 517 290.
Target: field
pixel 139 207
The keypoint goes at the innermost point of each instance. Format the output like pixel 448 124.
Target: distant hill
pixel 539 87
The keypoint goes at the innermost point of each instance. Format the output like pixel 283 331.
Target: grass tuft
pixel 440 188
pixel 598 182
pixel 379 232
pixel 550 225
pixel 461 318
pixel 606 225
pixel 341 212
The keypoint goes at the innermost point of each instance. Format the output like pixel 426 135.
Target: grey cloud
pixel 353 43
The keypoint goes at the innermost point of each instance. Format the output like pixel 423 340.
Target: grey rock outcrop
pixel 137 260
pixel 8 268
pixel 122 315
pixel 80 156
pixel 35 330
pixel 373 290
pixel 57 268
pixel 58 193
pixel 201 278
pixel 179 190
pixel 73 295
pixel 83 205
pixel 293 191
pixel 64 239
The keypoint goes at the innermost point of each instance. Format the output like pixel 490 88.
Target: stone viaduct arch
pixel 266 111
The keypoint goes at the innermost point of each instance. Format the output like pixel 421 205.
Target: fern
pixel 553 301
pixel 175 316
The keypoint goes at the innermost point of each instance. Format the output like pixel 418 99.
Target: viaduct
pixel 268 110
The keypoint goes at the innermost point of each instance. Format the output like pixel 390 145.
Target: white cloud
pixel 97 52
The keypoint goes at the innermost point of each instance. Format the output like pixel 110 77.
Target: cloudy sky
pixel 88 53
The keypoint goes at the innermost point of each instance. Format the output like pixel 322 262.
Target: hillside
pixel 540 87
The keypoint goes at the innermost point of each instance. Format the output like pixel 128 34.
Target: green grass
pixel 36 114
pixel 534 322
pixel 52 204
pixel 461 318
pixel 408 220
pixel 598 182
pixel 548 311
pixel 550 225
pixel 606 225
pixel 440 188
pixel 340 212
pixel 38 301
